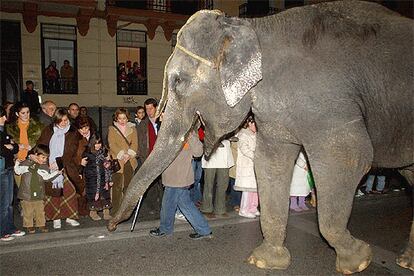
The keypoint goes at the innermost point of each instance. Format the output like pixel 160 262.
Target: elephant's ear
pixel 240 60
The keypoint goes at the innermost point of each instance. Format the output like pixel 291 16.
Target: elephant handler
pixel 177 179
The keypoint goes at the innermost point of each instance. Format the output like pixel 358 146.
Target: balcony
pixel 257 9
pixel 185 7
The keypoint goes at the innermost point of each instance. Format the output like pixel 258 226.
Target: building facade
pixel 102 53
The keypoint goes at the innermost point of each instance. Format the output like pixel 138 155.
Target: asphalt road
pixel 382 220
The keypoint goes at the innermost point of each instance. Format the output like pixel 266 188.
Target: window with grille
pixel 59 59
pixel 131 62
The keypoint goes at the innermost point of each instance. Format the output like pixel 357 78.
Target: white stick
pixel 136 214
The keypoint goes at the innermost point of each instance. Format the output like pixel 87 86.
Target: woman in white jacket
pixel 245 175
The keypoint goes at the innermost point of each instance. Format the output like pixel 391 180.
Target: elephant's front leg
pixel 274 166
pixel 406 259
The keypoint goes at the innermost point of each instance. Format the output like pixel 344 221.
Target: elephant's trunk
pixel 167 147
pixel 209 145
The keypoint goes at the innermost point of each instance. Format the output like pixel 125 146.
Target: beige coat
pixel 232 171
pixel 245 175
pixel 118 146
pixel 180 173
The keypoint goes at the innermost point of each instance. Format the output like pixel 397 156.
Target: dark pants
pixel 235 196
pixel 195 191
pixel 220 177
pixel 152 199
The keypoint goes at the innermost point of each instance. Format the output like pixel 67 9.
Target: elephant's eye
pixel 176 80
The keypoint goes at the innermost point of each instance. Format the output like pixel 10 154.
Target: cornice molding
pixel 169 28
pixel 83 18
pixel 30 16
pixel 112 24
pixel 151 25
pixel 87 9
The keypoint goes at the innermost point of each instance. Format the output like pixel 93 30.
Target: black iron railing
pixel 187 7
pixel 132 87
pixel 254 9
pixel 60 86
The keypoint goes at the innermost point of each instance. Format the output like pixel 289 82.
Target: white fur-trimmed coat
pixel 245 175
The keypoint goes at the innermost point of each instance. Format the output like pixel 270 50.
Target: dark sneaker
pixel 31 230
pixel 210 215
pixel 156 233
pixel 196 236
pixel 43 229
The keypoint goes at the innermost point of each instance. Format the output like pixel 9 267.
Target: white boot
pixel 57 224
pixel 72 222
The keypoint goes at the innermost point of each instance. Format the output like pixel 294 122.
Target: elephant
pixel 334 79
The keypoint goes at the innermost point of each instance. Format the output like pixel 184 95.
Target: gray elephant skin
pixel 334 78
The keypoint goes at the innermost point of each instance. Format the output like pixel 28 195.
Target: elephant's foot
pixel 267 256
pixel 406 260
pixel 354 259
pixel 112 225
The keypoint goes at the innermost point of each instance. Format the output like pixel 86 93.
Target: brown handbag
pixel 115 166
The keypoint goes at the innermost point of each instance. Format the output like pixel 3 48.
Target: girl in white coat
pixel 299 187
pixel 245 175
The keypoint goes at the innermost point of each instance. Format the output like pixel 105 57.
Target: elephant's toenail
pixel 260 264
pixel 252 260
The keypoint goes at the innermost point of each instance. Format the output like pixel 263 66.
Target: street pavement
pixel 381 220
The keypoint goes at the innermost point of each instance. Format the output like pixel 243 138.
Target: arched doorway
pixel 10 61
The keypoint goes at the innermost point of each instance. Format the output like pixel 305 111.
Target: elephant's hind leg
pixel 406 259
pixel 338 163
pixel 274 166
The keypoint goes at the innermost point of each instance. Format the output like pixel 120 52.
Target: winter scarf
pixel 56 146
pixel 24 139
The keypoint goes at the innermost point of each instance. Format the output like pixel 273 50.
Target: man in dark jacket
pixel 31 97
pixel 7 150
pixel 147 131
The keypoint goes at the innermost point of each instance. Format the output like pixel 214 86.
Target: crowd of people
pixel 130 77
pixel 65 170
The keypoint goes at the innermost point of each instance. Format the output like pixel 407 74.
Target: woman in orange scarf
pixel 24 130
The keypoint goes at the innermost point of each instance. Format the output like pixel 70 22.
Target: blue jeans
pixel 6 202
pixel 370 182
pixel 195 191
pixel 235 196
pixel 180 197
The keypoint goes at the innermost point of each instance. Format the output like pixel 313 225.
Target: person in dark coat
pixel 147 131
pixel 31 98
pixel 8 149
pixel 98 178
